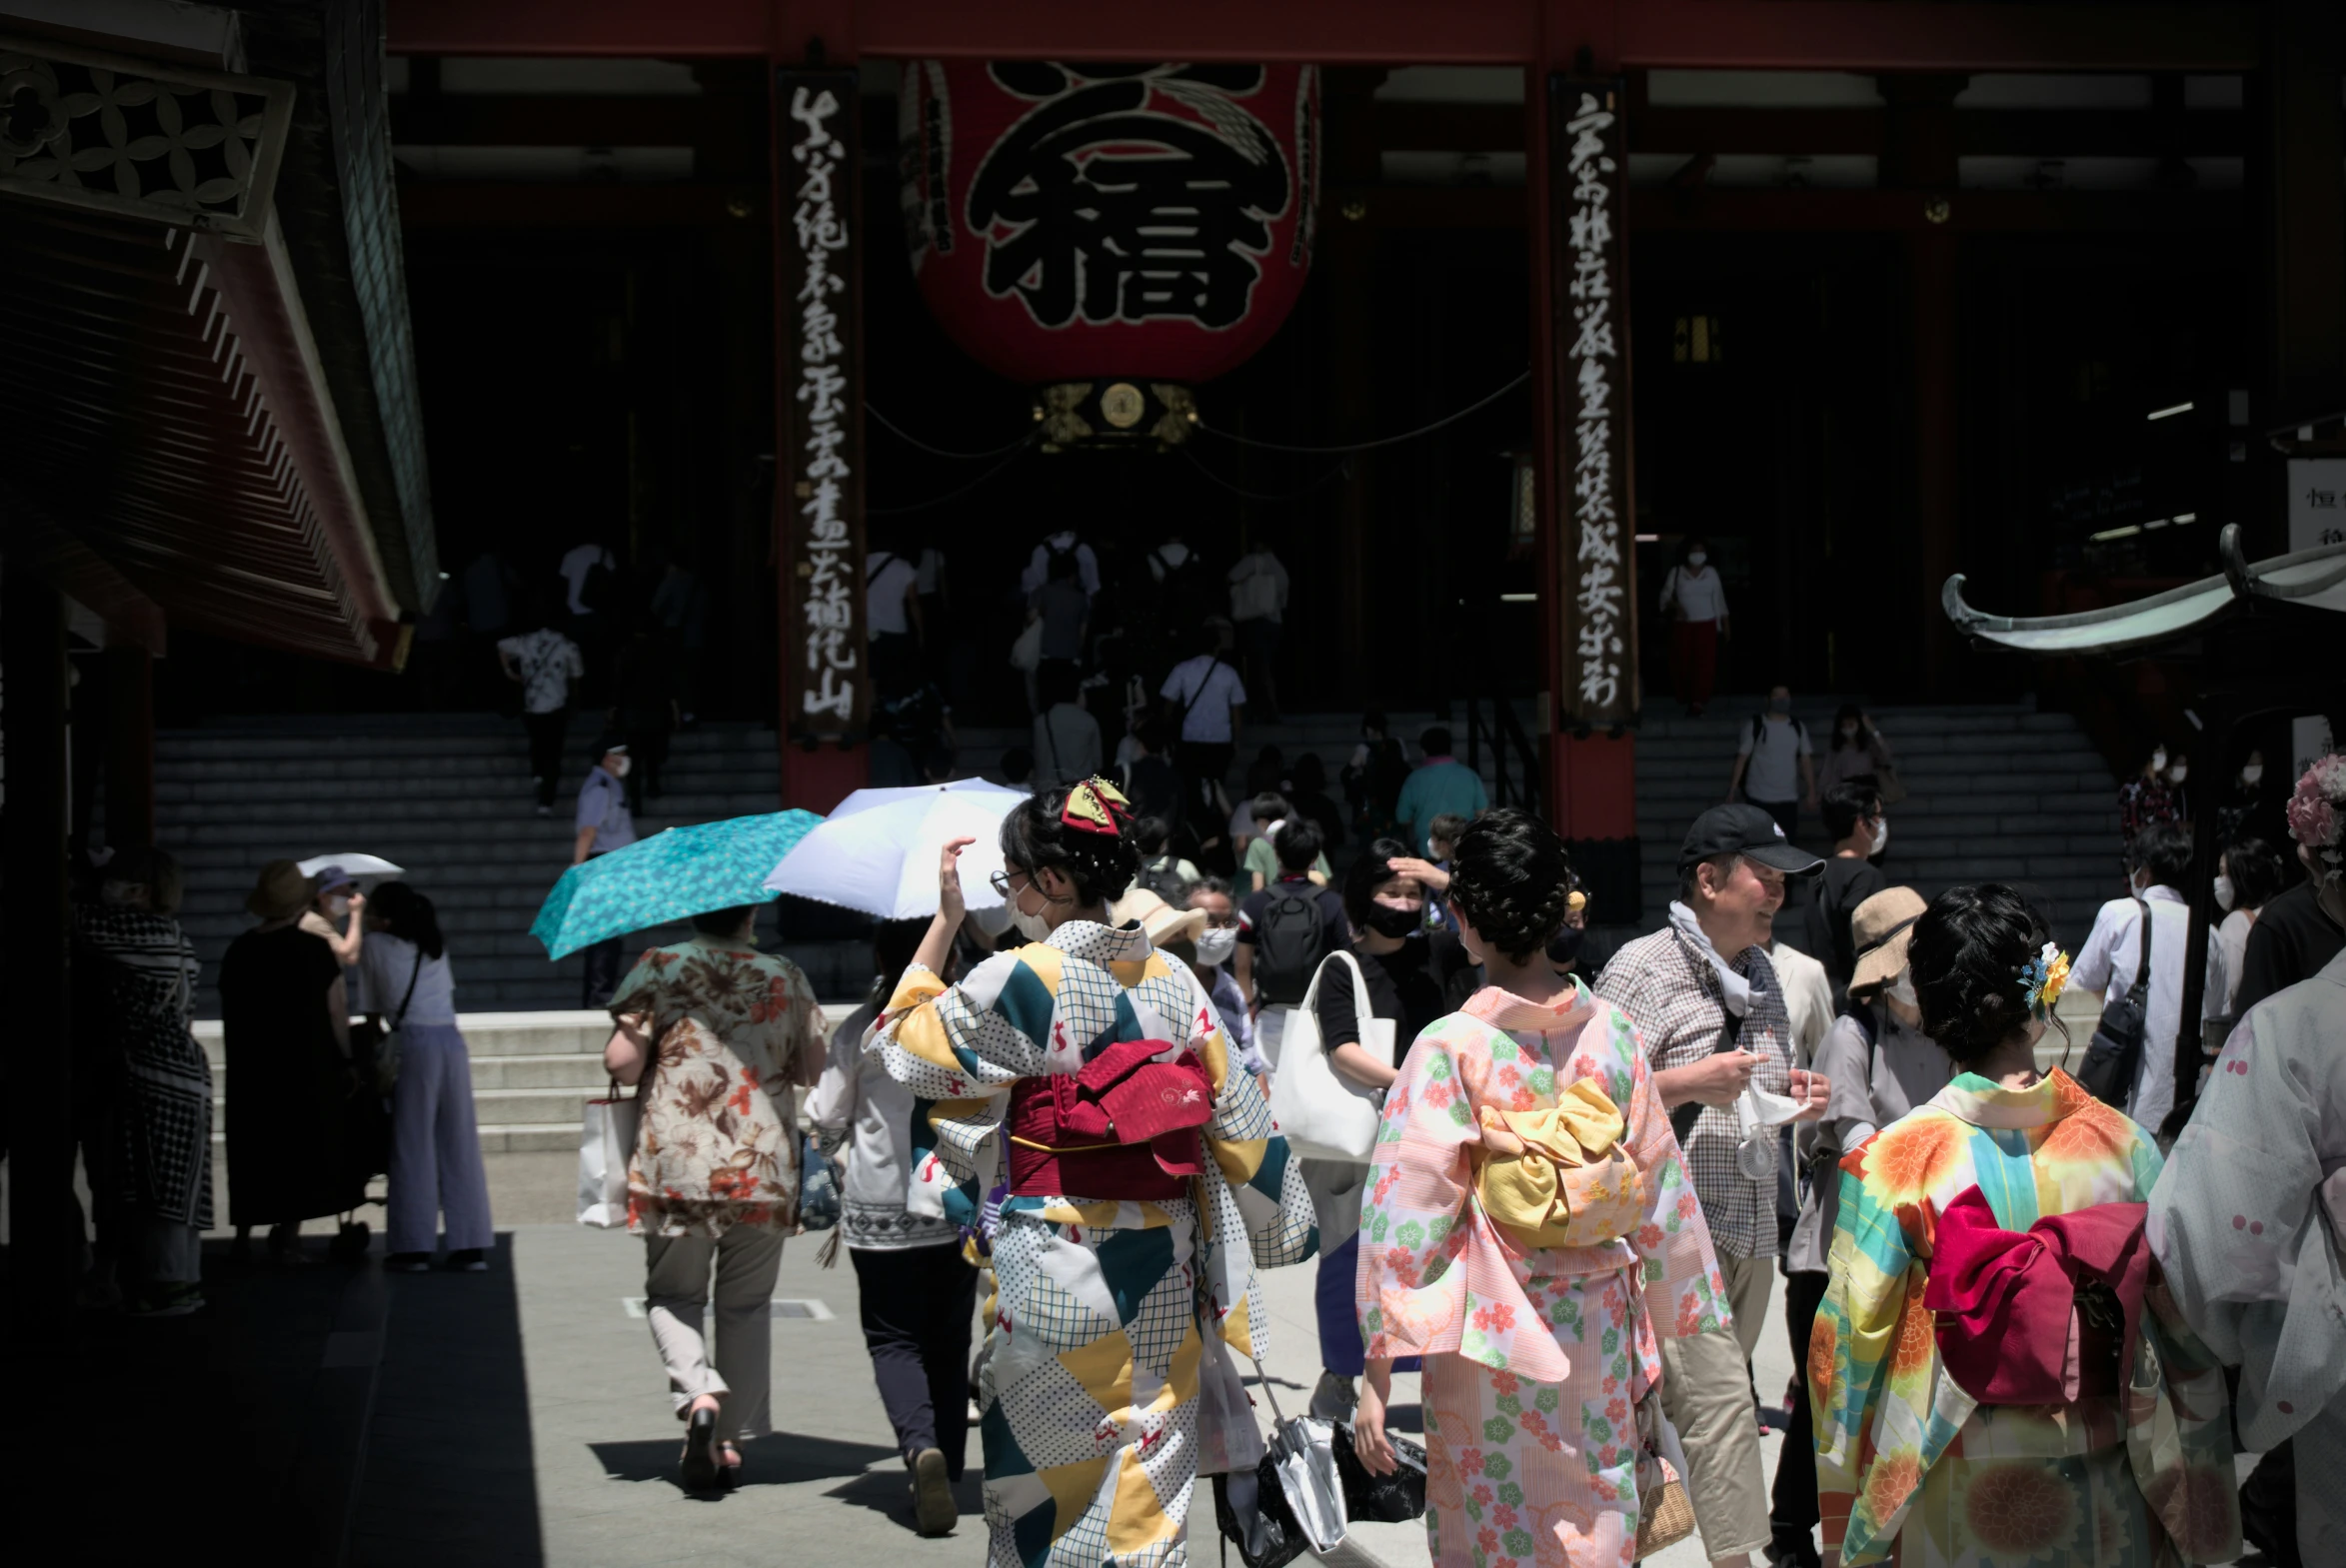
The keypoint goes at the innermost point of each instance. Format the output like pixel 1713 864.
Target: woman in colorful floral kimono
pixel 1085 1062
pixel 1530 1229
pixel 2247 1217
pixel 1998 1376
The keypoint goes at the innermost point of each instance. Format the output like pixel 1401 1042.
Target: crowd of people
pixel 2012 1326
pixel 2012 1292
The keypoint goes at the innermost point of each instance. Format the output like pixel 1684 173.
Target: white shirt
pixel 2227 956
pixel 856 1104
pixel 581 560
pixel 1808 999
pixel 1216 690
pixel 886 577
pixel 1773 772
pixel 1255 564
pixel 1170 554
pixel 384 966
pixel 549 662
pixel 1700 594
pixel 2107 965
pixel 1038 570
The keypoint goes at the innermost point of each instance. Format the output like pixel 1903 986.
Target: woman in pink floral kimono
pixel 1530 1228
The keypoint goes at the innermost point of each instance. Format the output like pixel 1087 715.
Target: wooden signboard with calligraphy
pixel 818 468
pixel 1596 553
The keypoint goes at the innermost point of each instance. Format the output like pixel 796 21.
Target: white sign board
pixel 2317 501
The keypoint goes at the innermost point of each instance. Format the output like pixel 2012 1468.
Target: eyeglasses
pixel 999 881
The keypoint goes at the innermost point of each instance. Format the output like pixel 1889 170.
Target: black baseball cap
pixel 1744 829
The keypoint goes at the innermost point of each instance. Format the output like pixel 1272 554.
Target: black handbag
pixel 1391 1499
pixel 2114 1055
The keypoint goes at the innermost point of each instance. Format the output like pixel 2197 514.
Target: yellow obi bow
pixel 1559 1178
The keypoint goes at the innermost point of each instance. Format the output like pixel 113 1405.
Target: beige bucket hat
pixel 1879 930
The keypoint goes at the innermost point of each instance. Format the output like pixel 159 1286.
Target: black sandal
pixel 699 1467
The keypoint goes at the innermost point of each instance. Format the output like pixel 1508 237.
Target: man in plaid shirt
pixel 1708 1006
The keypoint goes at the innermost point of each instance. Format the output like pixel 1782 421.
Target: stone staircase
pixel 533 1074
pixel 1995 794
pixel 449 798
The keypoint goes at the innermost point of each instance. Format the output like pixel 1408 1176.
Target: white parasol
pixel 878 852
pixel 365 869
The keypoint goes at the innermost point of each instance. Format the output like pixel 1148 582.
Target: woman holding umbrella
pixel 1084 1061
pixel 723 1032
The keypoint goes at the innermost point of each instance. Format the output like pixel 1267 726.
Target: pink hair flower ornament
pixel 2317 808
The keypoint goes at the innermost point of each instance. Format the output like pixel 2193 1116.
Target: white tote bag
pixel 1323 1115
pixel 606 1143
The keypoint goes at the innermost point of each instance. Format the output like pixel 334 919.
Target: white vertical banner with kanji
pixel 820 495
pixel 1597 553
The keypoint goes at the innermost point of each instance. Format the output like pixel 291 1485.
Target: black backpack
pixel 1162 877
pixel 1184 596
pixel 1291 940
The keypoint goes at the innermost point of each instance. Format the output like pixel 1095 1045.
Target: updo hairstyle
pixel 1512 879
pixel 1968 950
pixel 1101 865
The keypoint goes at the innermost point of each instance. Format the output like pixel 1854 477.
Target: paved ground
pixel 522 1417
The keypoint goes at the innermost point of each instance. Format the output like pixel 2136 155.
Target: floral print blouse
pixel 735 1030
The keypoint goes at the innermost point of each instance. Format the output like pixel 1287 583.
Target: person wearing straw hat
pixel 1880 1065
pixel 286 1017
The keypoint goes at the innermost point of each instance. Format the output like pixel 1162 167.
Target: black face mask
pixel 1565 946
pixel 1387 921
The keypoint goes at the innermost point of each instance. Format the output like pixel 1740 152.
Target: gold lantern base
pixel 1157 413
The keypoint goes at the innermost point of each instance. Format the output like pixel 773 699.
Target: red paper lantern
pixel 1074 222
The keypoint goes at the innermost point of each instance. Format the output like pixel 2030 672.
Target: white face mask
pixel 1901 990
pixel 2253 773
pixel 1215 944
pixel 1697 557
pixel 2224 893
pixel 1031 927
pixel 2175 773
pixel 618 769
pixel 1881 837
pixel 337 906
pixel 2158 759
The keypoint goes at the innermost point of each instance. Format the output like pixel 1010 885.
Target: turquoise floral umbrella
pixel 669 877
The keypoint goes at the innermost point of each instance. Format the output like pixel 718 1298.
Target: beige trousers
pixel 676 1297
pixel 1706 1392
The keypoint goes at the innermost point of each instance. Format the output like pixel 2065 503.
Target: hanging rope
pixel 909 439
pixel 1381 441
pixel 955 494
pixel 1249 495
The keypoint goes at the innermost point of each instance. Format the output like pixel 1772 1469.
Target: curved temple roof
pixel 2309 579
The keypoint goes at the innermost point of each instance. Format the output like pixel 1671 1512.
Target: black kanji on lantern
pixel 1100 205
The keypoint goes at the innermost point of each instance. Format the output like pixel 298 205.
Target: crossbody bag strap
pixel 2142 953
pixel 413 974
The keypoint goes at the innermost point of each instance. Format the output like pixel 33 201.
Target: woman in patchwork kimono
pixel 2247 1217
pixel 1076 1096
pixel 1530 1228
pixel 1997 1374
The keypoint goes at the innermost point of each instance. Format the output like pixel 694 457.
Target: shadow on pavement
pixel 779 1459
pixel 889 1490
pixel 256 1404
pixel 450 1476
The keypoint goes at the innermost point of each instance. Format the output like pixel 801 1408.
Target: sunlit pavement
pixel 522 1416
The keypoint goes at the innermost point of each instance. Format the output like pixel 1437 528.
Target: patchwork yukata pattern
pixel 1534 1358
pixel 1906 1460
pixel 1112 1379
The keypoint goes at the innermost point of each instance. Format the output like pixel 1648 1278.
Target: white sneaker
pixel 1333 1398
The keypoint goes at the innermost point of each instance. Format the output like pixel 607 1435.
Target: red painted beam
pixel 1837 35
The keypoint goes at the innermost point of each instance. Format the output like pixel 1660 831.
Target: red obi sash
pixel 2041 1317
pixel 1124 1128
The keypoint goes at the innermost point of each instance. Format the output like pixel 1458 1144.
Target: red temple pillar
pixel 823 638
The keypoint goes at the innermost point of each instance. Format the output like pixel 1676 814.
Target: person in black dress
pixel 287 1022
pixel 1414 973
